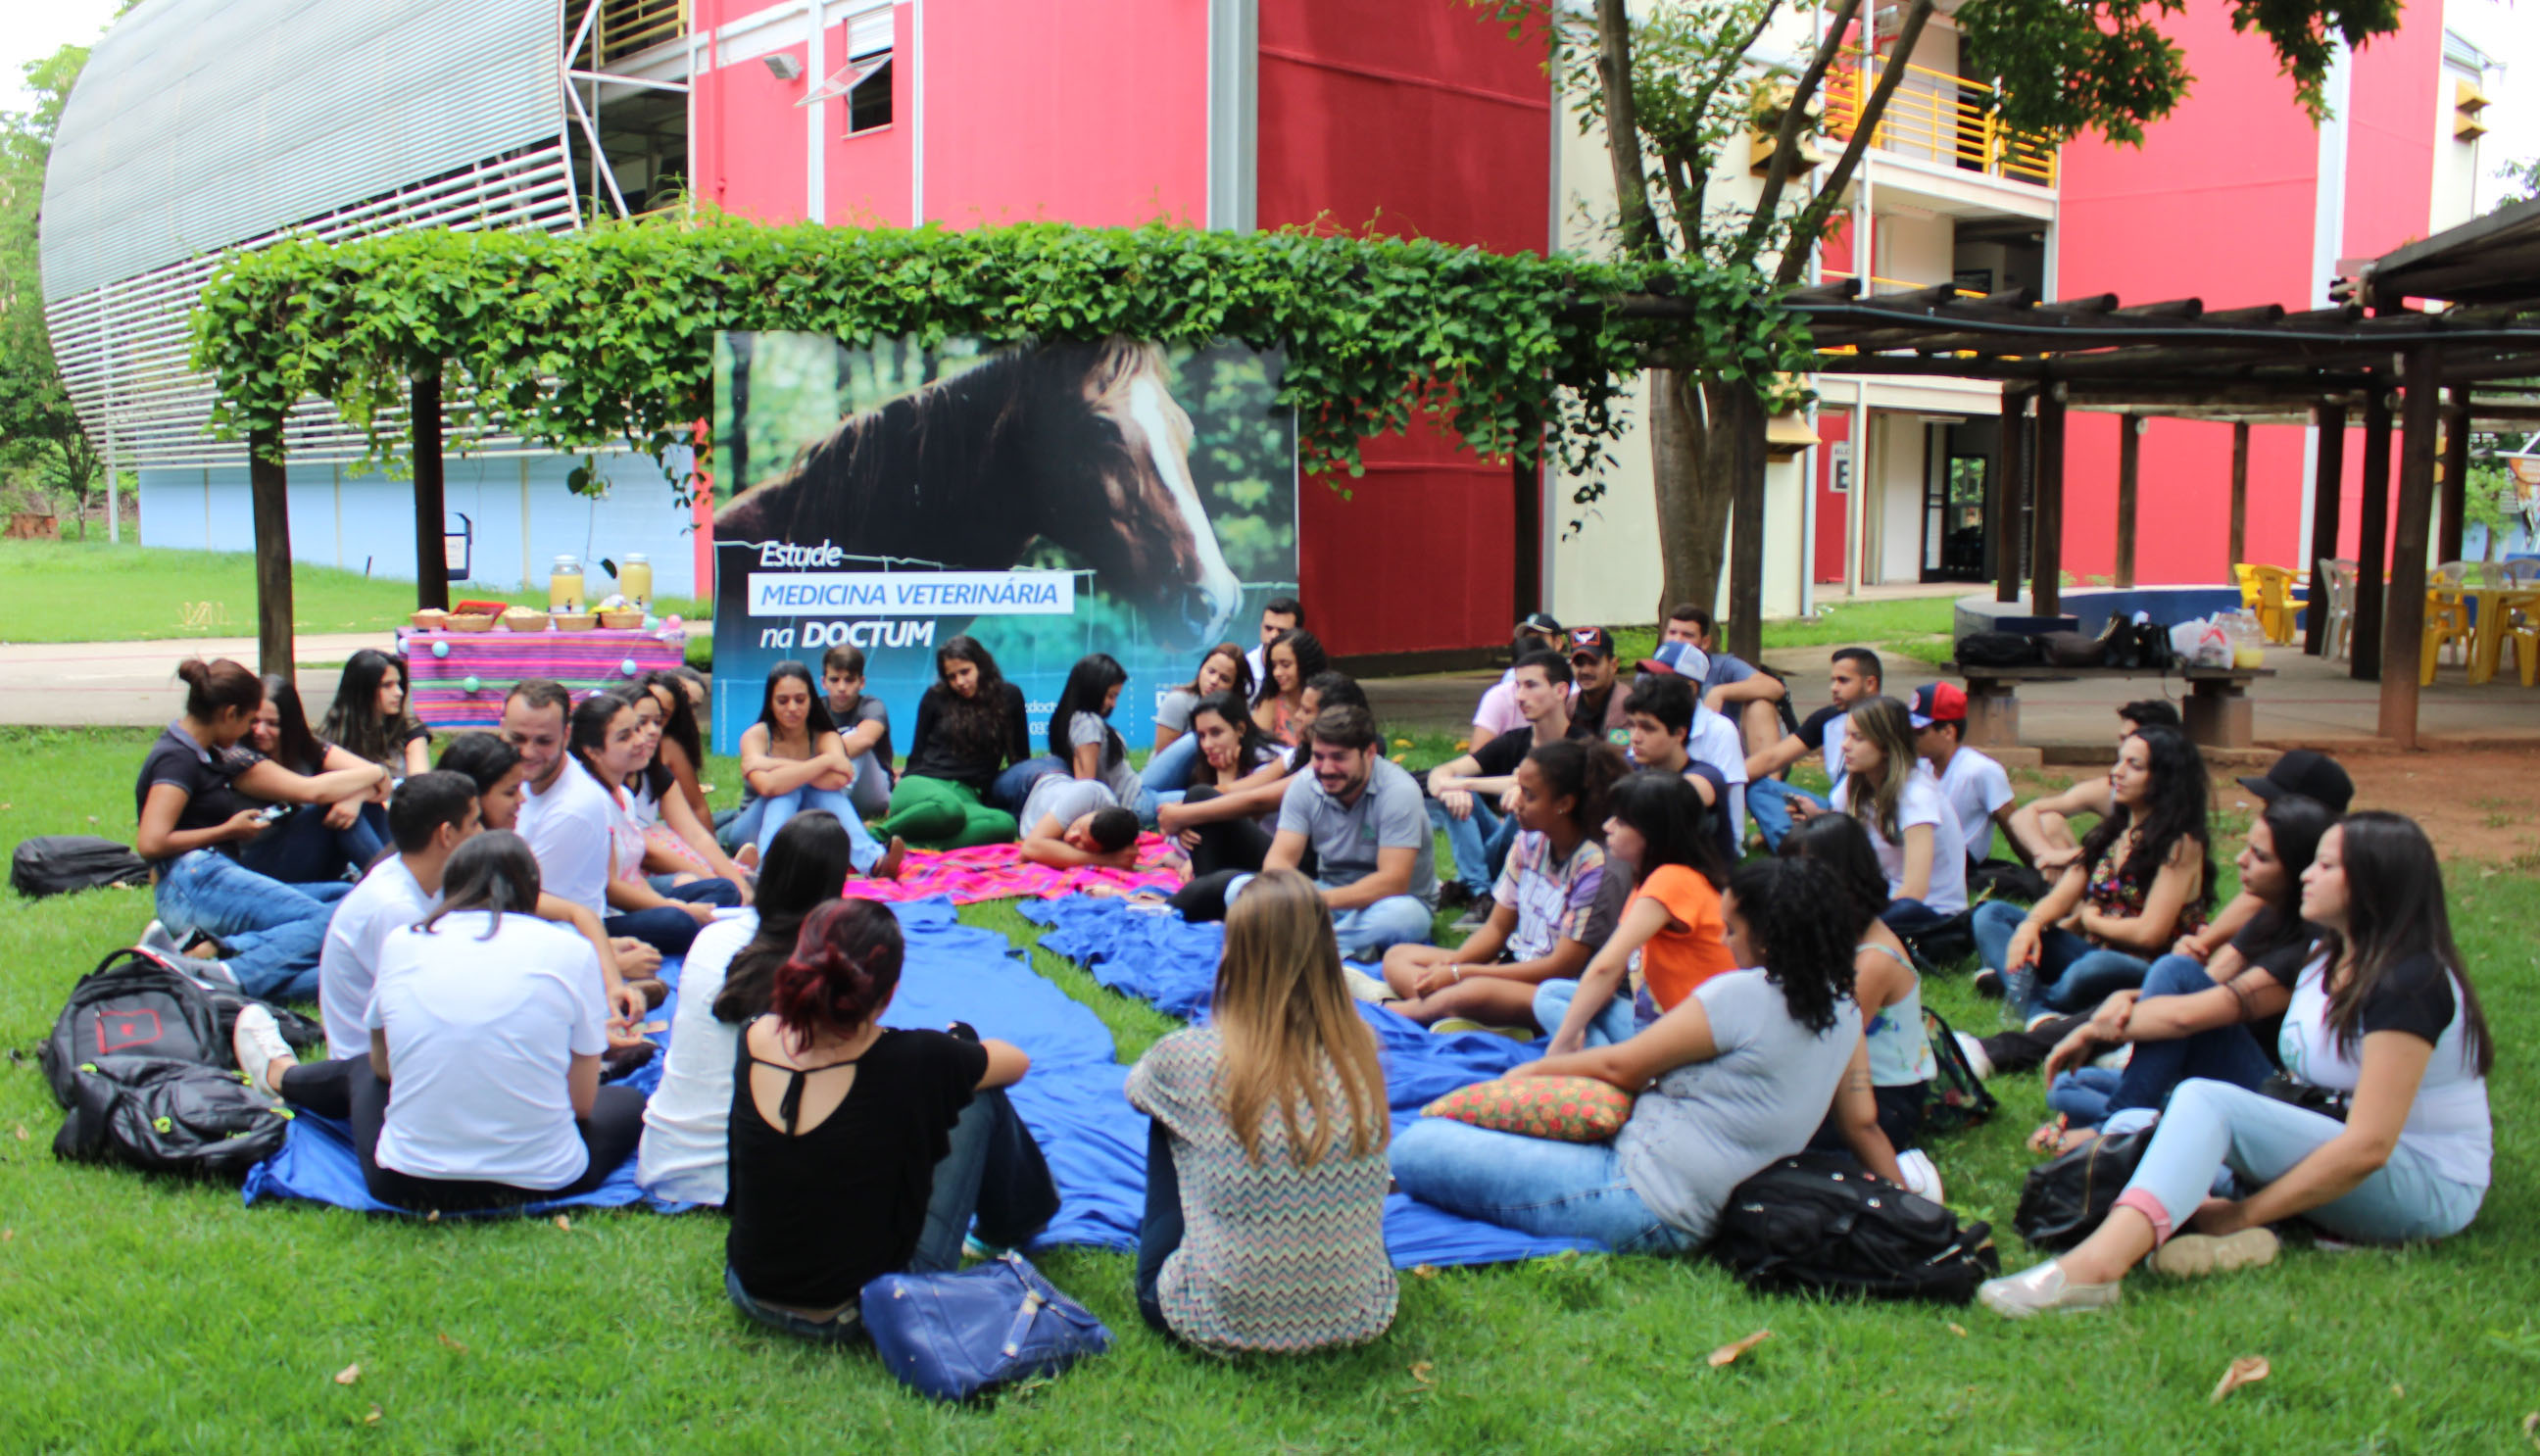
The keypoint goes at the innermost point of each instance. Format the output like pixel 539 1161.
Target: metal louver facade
pixel 206 126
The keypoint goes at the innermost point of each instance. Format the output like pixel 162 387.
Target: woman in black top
pixel 200 795
pixel 856 1150
pixel 309 847
pixel 970 725
pixel 369 719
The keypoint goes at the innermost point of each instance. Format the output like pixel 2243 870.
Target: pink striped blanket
pixel 999 872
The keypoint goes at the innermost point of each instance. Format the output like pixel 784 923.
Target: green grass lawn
pixel 90 592
pixel 1917 627
pixel 149 1313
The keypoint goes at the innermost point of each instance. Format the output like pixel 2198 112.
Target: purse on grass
pixel 1566 1109
pixel 959 1336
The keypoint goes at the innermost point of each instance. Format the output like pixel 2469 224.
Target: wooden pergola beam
pixel 2002 512
pixel 2240 497
pixel 2046 555
pixel 2402 634
pixel 2454 497
pixel 2328 501
pixel 2130 431
pixel 2372 555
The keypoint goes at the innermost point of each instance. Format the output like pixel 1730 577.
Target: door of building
pixel 1954 487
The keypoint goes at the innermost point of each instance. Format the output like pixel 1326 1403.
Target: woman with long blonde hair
pixel 1911 825
pixel 1266 1161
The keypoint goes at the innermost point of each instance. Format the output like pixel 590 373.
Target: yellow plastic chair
pixel 2447 625
pixel 2278 600
pixel 2522 636
pixel 2245 573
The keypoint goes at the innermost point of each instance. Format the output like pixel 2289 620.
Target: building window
pixel 869 97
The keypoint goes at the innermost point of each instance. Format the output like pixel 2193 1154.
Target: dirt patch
pixel 2475 803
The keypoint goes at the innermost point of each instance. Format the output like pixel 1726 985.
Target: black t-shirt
pixel 1500 756
pixel 817 1217
pixel 2277 943
pixel 1813 727
pixel 2415 996
pixel 868 709
pixel 208 777
pixel 932 755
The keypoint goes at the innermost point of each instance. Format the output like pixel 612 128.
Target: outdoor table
pixel 2492 608
pixel 584 661
pixel 2218 712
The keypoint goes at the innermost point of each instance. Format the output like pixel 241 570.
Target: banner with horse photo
pixel 1049 499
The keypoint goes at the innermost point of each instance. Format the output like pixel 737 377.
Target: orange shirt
pixel 1674 962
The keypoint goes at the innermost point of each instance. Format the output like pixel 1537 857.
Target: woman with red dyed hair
pixel 859 1151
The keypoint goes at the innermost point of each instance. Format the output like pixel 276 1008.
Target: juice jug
pixel 635 580
pixel 564 585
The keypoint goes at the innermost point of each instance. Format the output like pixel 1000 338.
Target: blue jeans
pixel 775 812
pixel 1159 1230
pixel 1768 803
pixel 2072 975
pixel 1535 1185
pixel 1366 931
pixel 1616 1023
pixel 305 850
pixel 667 928
pixel 1469 839
pixel 871 790
pixel 270 932
pixel 1168 769
pixel 1015 785
pixel 2226 1054
pixel 2211 1127
pixel 993 1171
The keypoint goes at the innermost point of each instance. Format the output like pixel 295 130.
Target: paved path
pixel 69 684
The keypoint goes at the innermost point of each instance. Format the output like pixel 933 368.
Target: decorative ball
pixel 441 649
pixel 629 668
pixel 673 620
pixel 470 685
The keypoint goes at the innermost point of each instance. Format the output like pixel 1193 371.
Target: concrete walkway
pixel 75 684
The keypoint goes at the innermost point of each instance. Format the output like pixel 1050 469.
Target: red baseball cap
pixel 1938 702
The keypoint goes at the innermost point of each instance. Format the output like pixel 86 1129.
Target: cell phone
pixel 275 811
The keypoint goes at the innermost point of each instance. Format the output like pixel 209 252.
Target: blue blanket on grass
pixel 1073 1100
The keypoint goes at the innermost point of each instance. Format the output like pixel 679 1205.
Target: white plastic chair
pixel 2523 573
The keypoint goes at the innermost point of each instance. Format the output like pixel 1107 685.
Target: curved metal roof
pixel 200 123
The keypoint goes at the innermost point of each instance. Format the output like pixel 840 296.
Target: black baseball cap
pixel 1542 622
pixel 2309 774
pixel 1595 639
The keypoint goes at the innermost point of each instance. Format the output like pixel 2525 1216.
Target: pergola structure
pixel 2378 360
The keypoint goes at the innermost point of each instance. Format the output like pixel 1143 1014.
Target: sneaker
pixel 1921 1177
pixel 2192 1255
pixel 2043 1289
pixel 1470 921
pixel 259 1043
pixel 974 1247
pixel 158 940
pixel 1987 984
pixel 1454 894
pixel 2039 1019
pixel 1978 1062
pixel 2114 1059
pixel 1365 987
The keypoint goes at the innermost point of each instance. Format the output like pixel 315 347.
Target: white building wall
pixel 1896 508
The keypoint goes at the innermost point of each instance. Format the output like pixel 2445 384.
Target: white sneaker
pixel 157 939
pixel 2192 1255
pixel 1972 1048
pixel 258 1044
pixel 2114 1059
pixel 2043 1289
pixel 2039 1019
pixel 1365 987
pixel 1921 1177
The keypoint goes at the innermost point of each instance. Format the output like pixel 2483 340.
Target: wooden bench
pixel 2218 712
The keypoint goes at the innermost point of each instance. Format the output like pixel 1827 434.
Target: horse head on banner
pixel 1080 444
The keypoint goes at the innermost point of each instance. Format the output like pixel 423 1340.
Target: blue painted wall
pixel 524 515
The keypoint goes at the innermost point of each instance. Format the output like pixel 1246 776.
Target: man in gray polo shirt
pixel 1365 819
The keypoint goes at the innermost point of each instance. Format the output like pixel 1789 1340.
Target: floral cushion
pixel 1570 1109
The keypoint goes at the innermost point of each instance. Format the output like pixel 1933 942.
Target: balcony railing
pixel 626 26
pixel 1938 117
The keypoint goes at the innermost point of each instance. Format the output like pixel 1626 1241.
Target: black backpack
pixel 1999 650
pixel 1820 1223
pixel 55 863
pixel 2064 1201
pixel 1957 1098
pixel 135 1005
pixel 169 1116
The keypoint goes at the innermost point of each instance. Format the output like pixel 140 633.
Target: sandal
pixel 2059 1137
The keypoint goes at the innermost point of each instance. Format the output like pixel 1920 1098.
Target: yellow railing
pixel 626 26
pixel 1875 285
pixel 1937 116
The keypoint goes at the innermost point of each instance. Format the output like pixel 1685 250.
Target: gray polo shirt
pixel 1389 814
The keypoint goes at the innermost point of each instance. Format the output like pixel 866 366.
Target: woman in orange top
pixel 1672 927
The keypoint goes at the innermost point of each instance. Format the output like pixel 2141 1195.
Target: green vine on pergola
pixel 600 338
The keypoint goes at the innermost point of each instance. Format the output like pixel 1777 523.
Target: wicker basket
pixel 575 621
pixel 517 620
pixel 430 619
pixel 621 621
pixel 470 622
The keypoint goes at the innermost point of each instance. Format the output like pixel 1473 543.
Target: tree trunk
pixel 1707 458
pixel 1692 501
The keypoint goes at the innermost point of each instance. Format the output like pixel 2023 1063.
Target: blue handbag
pixel 954 1336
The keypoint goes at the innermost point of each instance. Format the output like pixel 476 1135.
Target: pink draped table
pixel 584 661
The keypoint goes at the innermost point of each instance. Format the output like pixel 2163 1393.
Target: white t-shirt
pixel 348 964
pixel 687 1122
pixel 1975 786
pixel 481 1034
pixel 569 828
pixel 1923 803
pixel 2449 1123
pixel 1714 740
